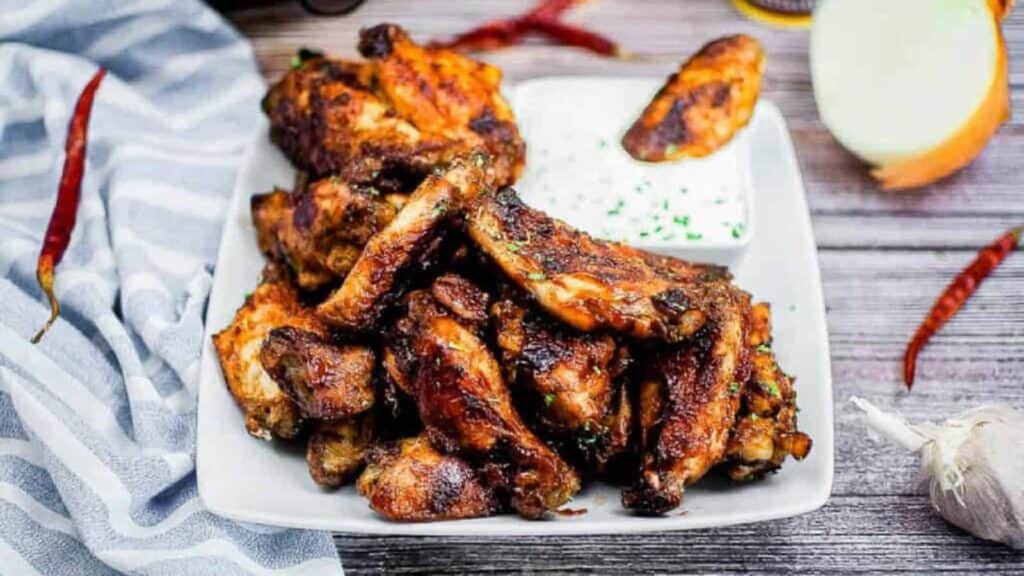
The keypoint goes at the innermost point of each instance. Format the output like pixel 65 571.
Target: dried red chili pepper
pixel 956 294
pixel 62 220
pixel 568 35
pixel 543 18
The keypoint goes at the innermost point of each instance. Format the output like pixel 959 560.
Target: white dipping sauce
pixel 577 170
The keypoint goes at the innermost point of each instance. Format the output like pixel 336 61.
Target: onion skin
pixel 966 144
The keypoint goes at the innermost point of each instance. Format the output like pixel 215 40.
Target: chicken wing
pixel 397 116
pixel 336 450
pixel 320 231
pixel 325 380
pixel 588 284
pixel 268 410
pixel 696 395
pixel 702 106
pixel 405 243
pixel 466 408
pixel 409 480
pixel 569 373
pixel 766 429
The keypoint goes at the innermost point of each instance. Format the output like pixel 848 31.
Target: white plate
pixel 251 480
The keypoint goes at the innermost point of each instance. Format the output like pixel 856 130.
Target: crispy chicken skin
pixel 336 450
pixel 569 372
pixel 702 106
pixel 466 409
pixel 325 380
pixel 401 113
pixel 409 480
pixel 586 283
pixel 406 242
pixel 321 230
pixel 697 394
pixel 765 432
pixel 268 410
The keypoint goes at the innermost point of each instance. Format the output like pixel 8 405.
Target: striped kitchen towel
pixel 97 423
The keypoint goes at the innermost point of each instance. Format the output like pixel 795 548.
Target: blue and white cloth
pixel 97 423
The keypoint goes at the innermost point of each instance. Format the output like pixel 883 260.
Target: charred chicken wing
pixel 765 432
pixel 405 111
pixel 405 243
pixel 336 450
pixel 268 410
pixel 467 410
pixel 702 106
pixel 586 283
pixel 320 231
pixel 569 372
pixel 409 480
pixel 696 394
pixel 324 380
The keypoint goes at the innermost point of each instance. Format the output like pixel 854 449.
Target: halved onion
pixel 914 87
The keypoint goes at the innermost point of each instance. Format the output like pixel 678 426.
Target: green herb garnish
pixel 619 204
pixel 693 236
pixel 681 220
pixel 536 276
pixel 548 399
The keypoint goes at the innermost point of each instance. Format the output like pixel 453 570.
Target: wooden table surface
pixel 884 257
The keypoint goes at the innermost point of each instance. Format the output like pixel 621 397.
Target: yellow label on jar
pixel 780 13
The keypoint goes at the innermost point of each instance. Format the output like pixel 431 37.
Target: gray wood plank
pixel 884 258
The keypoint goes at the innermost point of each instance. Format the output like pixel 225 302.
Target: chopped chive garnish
pixel 618 208
pixel 734 387
pixel 764 348
pixel 681 220
pixel 515 246
pixel 693 236
pixel 737 230
pixel 536 276
pixel 658 228
pixel 602 143
pixel 548 399
pixel 671 149
pixel 664 205
pixel 644 234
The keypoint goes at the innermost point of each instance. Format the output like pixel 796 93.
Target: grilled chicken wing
pixel 588 284
pixel 466 408
pixel 405 111
pixel 324 380
pixel 320 231
pixel 409 480
pixel 695 394
pixel 407 242
pixel 702 106
pixel 765 432
pixel 336 450
pixel 268 410
pixel 569 372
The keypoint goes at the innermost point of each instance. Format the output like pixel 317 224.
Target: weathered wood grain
pixel 884 257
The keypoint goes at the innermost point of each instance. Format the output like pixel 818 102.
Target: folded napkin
pixel 97 423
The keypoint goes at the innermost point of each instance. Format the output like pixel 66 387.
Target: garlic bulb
pixel 973 463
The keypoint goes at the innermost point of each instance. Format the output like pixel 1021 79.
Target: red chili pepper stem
pixel 956 294
pixel 69 192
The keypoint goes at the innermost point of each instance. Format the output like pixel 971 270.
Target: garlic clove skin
pixel 973 465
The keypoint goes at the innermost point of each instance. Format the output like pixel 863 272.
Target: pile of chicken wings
pixel 457 353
